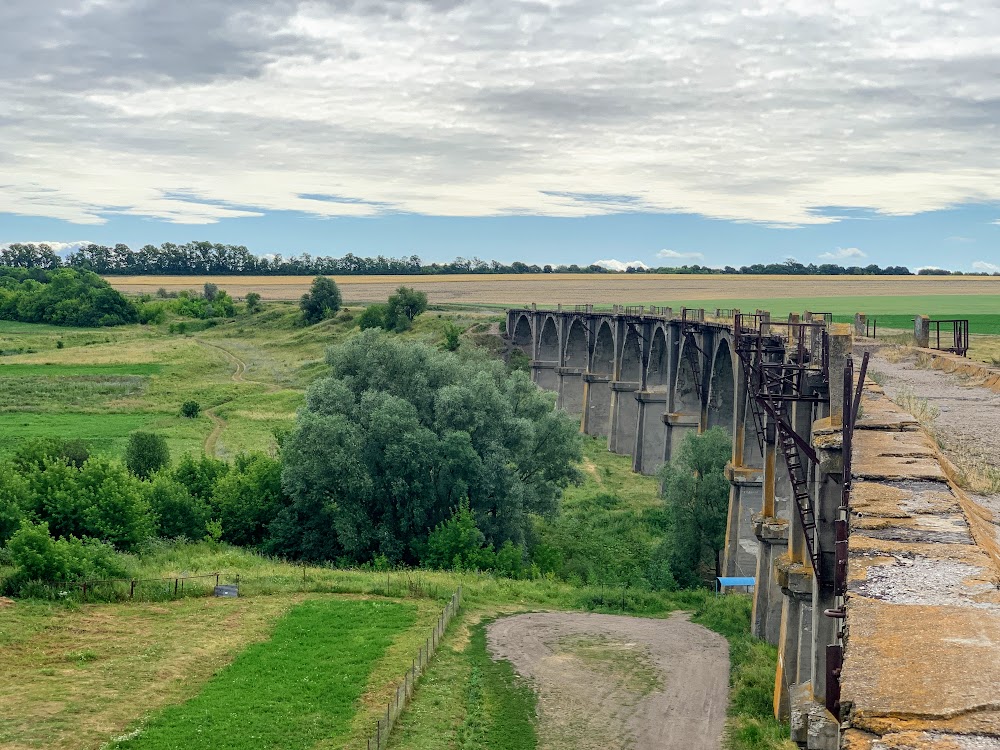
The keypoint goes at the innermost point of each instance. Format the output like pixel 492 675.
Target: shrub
pixel 200 474
pixel 14 500
pixel 373 316
pixel 34 454
pixel 178 514
pixel 210 291
pixel 190 409
pixel 60 344
pixel 321 301
pixel 249 498
pixel 452 336
pixel 403 306
pixel 146 453
pixel 459 544
pixel 253 302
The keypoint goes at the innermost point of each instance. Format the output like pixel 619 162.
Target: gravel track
pixel 590 704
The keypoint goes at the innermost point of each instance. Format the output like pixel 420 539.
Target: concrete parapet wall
pixel 988 377
pixel 922 646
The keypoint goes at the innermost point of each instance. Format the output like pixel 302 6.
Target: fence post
pixel 131 589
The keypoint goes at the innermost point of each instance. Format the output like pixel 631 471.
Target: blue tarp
pixel 723 582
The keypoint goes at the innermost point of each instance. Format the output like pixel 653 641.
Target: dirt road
pixel 627 683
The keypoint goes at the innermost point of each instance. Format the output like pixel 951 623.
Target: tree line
pixel 206 258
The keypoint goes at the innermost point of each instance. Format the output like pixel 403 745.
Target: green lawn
pixel 52 370
pixel 300 687
pixel 105 433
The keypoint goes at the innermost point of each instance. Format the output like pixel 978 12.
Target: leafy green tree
pixel 452 336
pixel 116 509
pixel 190 409
pixel 146 453
pixel 14 501
pixel 402 307
pixel 248 498
pixel 373 316
pixel 39 557
pixel 321 301
pixel 401 434
pixel 210 291
pixel 458 544
pixel 696 494
pixel 199 475
pixel 178 513
pixel 253 302
pixel 34 454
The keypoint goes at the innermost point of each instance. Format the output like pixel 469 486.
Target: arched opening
pixel 522 334
pixel 631 357
pixel 687 394
pixel 722 390
pixel 548 344
pixel 604 351
pixel 577 351
pixel 656 372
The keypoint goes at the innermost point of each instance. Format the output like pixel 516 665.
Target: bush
pixel 178 513
pixel 249 498
pixel 253 302
pixel 39 557
pixel 373 316
pixel 452 336
pixel 321 301
pixel 199 475
pixel 190 409
pixel 62 297
pixel 211 291
pixel 458 544
pixel 60 344
pixel 146 453
pixel 34 454
pixel 14 500
pixel 403 307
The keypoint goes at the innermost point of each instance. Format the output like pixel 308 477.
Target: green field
pixel 298 688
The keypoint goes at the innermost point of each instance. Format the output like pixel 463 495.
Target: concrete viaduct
pixel 643 378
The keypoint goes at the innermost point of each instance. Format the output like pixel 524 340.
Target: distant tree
pixel 321 301
pixel 146 453
pixel 211 290
pixel 452 336
pixel 403 306
pixel 200 474
pixel 190 409
pixel 696 494
pixel 37 452
pixel 249 498
pixel 253 302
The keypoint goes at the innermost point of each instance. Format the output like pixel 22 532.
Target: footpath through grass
pixel 298 688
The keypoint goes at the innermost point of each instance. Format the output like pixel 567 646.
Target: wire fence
pixel 404 691
pixel 122 589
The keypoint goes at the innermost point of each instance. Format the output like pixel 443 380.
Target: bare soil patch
pixel 572 288
pixel 605 681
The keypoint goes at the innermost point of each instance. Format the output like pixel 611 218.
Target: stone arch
pixel 548 342
pixel 631 362
pixel 604 351
pixel 722 389
pixel 522 336
pixel 656 372
pixel 577 350
pixel 687 391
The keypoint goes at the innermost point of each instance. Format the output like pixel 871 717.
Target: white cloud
pixel 678 255
pixel 843 253
pixel 60 248
pixel 618 265
pixel 752 110
pixel 982 265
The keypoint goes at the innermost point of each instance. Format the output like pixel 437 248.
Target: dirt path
pixel 626 683
pixel 238 376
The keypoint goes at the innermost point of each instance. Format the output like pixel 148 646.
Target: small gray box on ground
pixel 228 591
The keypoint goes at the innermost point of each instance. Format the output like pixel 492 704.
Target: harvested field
pixel 516 289
pixel 606 681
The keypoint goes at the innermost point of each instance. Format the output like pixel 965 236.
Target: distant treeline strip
pixel 208 259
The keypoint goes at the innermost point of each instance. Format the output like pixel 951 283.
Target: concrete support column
pixel 651 439
pixel 678 425
pixel 745 498
pixel 624 416
pixel 570 390
pixel 860 324
pixel 841 344
pixel 795 582
pixel 544 375
pixel 772 534
pixel 596 405
pixel 922 331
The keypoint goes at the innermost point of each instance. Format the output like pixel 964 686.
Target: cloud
pixel 60 248
pixel 843 253
pixel 982 265
pixel 779 113
pixel 618 265
pixel 679 256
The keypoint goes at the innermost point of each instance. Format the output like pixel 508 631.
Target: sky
pixel 551 131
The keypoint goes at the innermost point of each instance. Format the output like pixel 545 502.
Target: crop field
pixel 606 289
